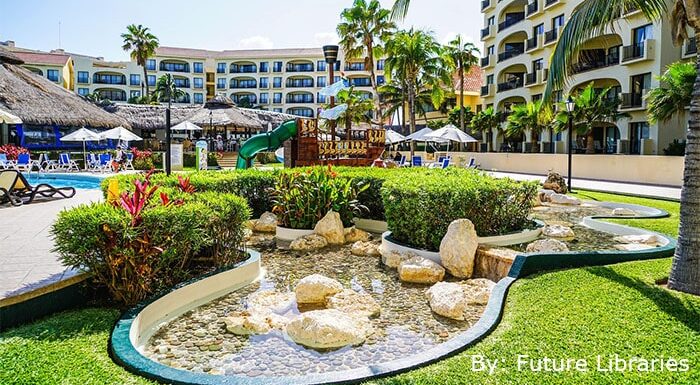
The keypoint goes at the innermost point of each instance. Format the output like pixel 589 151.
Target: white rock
pixel 393 258
pixel 420 270
pixel 544 195
pixel 634 247
pixel 308 242
pixel 267 223
pixel 477 291
pixel 354 303
pixel 624 212
pixel 547 246
pixel 353 234
pixel 316 288
pixel 562 199
pixel 326 329
pixel 270 300
pixel 331 228
pixel 647 239
pixel 365 249
pixel 246 323
pixel 458 248
pixel 447 299
pixel 558 231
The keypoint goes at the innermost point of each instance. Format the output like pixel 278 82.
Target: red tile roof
pixel 473 80
pixel 42 58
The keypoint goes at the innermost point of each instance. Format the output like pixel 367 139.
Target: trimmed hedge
pixel 419 209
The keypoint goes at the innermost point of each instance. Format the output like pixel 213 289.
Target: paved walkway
pixel 26 260
pixel 652 191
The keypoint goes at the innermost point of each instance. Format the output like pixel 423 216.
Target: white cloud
pixel 323 38
pixel 255 42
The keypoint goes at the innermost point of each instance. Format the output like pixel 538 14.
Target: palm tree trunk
pixel 685 272
pixel 461 97
pixel 145 80
pixel 590 148
pixel 375 86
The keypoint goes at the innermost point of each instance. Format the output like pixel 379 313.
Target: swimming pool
pixel 65 180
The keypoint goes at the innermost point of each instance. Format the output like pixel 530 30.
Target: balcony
pixel 485 61
pixel 690 48
pixel 487 32
pixel 611 59
pixel 243 69
pixel 174 67
pixel 252 99
pixel 109 79
pixel 299 83
pixel 632 101
pixel 361 82
pixel 503 56
pixel 532 43
pixel 486 90
pixel 182 83
pixel 355 67
pixel 551 36
pixel 238 84
pixel 512 19
pixel 638 52
pixel 298 99
pixel 532 8
pixel 532 78
pixel 300 67
pixel 510 85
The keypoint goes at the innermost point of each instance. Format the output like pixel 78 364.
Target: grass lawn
pixel 579 313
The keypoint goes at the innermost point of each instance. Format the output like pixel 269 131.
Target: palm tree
pixel 400 9
pixel 415 57
pixel 463 56
pixel 142 44
pixel 363 31
pixel 358 110
pixel 528 117
pixel 486 120
pixel 394 98
pixel 674 94
pixel 166 89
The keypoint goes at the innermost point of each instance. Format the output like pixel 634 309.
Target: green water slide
pixel 268 141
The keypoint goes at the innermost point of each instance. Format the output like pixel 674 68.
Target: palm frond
pixel 400 9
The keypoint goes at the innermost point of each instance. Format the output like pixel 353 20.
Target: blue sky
pixel 93 28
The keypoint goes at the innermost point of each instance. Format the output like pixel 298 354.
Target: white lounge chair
pixel 5 164
pixel 66 163
pixel 24 163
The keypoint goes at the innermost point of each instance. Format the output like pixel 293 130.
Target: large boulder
pixel 267 223
pixel 331 228
pixel 247 323
pixel 271 301
pixel 555 182
pixel 558 231
pixel 316 288
pixel 493 262
pixel 353 234
pixel 478 291
pixel 548 245
pixel 634 247
pixel 392 258
pixel 365 249
pixel 458 248
pixel 447 299
pixel 328 329
pixel 645 239
pixel 352 302
pixel 562 199
pixel 624 212
pixel 308 242
pixel 420 270
pixel 544 195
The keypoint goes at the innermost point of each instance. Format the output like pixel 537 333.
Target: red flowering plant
pixel 12 151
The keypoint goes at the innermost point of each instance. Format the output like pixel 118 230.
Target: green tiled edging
pixel 124 353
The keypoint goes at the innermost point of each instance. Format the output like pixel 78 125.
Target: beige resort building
pixel 519 37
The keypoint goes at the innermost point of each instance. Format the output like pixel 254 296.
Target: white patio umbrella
pixel 333 89
pixel 82 135
pixel 120 133
pixel 420 136
pixel 393 137
pixel 333 113
pixel 6 117
pixel 186 126
pixel 450 133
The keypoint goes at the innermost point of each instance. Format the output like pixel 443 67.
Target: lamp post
pixel 168 140
pixel 570 106
pixel 330 53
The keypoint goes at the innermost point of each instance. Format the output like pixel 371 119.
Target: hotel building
pixel 519 37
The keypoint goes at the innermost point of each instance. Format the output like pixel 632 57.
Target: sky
pixel 94 28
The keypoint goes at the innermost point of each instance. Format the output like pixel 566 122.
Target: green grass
pixel 579 313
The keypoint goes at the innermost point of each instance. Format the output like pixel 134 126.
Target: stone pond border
pixel 125 353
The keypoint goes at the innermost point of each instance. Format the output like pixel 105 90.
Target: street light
pixel 570 106
pixel 330 53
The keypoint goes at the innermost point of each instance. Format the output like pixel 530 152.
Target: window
pixel 277 97
pixel 491 50
pixel 83 91
pixel 538 30
pixel 641 34
pixel 83 77
pixel 321 81
pixel 489 79
pixel 221 83
pixel 198 98
pixel 151 64
pixel 321 65
pixel 264 66
pixel 151 80
pixel 198 82
pixel 135 94
pixel 221 68
pixel 380 80
pixel 639 83
pixel 264 83
pixel 558 22
pixel 135 79
pixel 638 132
pixel 337 66
pixel 113 95
pixel 537 65
pixel 491 20
pixel 336 79
pixel 380 64
pixel 277 66
pixel 277 110
pixel 52 75
pixel 536 97
pixel 277 82
pixel 320 98
pixel 264 98
pixel 198 67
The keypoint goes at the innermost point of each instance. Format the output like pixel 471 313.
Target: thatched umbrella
pixel 151 117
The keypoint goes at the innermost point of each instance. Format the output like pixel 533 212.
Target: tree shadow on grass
pixel 66 325
pixel 683 311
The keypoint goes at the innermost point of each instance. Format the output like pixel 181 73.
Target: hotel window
pixel 198 67
pixel 264 83
pixel 151 64
pixel 641 34
pixel 538 30
pixel 277 66
pixel 491 50
pixel 198 82
pixel 380 64
pixel 264 66
pixel 198 98
pixel 638 131
pixel 135 94
pixel 277 110
pixel 83 77
pixel 277 97
pixel 321 65
pixel 337 66
pixel 277 82
pixel 380 80
pixel 536 97
pixel 336 79
pixel 151 80
pixel 221 83
pixel 321 81
pixel 221 68
pixel 83 91
pixel 264 98
pixel 135 80
pixel 489 79
pixel 320 98
pixel 558 22
pixel 52 75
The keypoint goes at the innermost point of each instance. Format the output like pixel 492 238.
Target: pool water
pixel 65 180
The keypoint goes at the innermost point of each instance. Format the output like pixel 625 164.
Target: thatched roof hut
pixel 38 101
pixel 151 117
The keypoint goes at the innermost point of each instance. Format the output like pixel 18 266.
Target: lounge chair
pixel 23 190
pixel 105 163
pixel 129 162
pixel 66 163
pixel 416 161
pixel 472 163
pixel 5 163
pixel 93 162
pixel 445 163
pixel 8 179
pixel 24 163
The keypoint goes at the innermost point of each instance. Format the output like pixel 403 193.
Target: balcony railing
pixel 485 90
pixel 485 61
pixel 514 18
pixel 182 83
pixel 634 51
pixel 298 83
pixel 175 67
pixel 631 100
pixel 244 84
pixel 486 31
pixel 509 54
pixel 243 69
pixel 531 43
pixel 300 67
pixel 531 78
pixel 109 79
pixel 510 85
pixel 300 99
pixel 361 82
pixel 355 67
pixel 551 36
pixel 611 59
pixel 691 47
pixel 532 7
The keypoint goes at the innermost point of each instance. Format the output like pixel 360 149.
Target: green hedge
pixel 419 209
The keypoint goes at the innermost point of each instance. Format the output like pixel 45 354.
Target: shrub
pixel 190 160
pixel 143 160
pixel 419 210
pixel 302 197
pixel 12 151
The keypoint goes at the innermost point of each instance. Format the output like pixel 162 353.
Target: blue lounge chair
pixel 5 163
pixel 24 163
pixel 105 162
pixel 445 163
pixel 472 163
pixel 65 163
pixel 416 161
